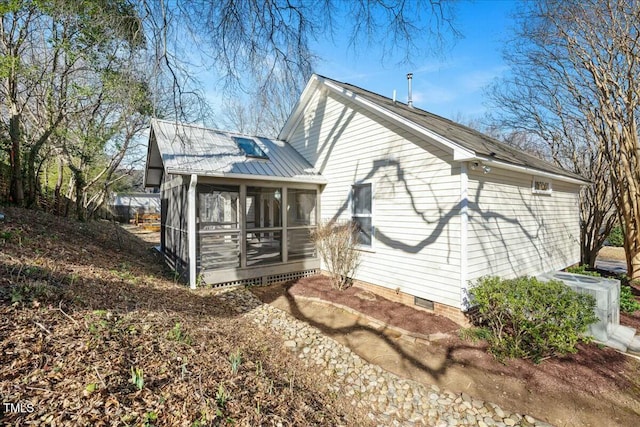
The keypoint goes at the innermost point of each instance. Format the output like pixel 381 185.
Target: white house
pixel 438 204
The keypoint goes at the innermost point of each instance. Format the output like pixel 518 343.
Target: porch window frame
pixel 311 227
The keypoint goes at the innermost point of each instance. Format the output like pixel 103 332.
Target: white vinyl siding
pixel 416 195
pixel 514 231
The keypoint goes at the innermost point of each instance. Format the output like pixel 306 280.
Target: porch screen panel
pixel 301 223
pixel 264 226
pixel 218 227
pixel 175 227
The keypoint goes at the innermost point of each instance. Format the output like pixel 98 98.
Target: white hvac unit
pixel 606 293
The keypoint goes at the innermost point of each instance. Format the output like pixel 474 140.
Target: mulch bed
pixel 593 376
pixel 365 302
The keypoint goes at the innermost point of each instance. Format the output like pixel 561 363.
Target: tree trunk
pixel 16 189
pixel 57 197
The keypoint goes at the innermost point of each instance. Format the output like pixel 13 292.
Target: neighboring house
pixel 126 205
pixel 438 204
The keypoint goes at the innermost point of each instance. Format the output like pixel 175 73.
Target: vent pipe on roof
pixel 409 100
pixel 394 96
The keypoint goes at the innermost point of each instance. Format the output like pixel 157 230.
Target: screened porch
pixel 247 232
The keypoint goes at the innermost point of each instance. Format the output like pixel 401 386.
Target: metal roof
pixel 179 148
pixel 477 144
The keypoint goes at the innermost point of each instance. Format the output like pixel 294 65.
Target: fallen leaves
pixel 91 312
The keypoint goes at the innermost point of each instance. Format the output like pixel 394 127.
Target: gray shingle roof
pixel 464 136
pixel 191 149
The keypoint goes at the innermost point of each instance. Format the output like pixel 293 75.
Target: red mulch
pixel 599 383
pixel 365 302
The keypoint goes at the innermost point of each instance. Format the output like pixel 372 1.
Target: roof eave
pixel 296 114
pixel 459 153
pixel 311 179
pixel 152 141
pixel 532 171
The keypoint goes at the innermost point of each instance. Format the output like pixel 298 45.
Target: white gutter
pixel 191 230
pixel 532 171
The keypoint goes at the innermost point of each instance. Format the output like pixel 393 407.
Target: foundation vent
pixel 424 303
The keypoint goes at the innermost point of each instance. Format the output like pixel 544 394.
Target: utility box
pixel 607 295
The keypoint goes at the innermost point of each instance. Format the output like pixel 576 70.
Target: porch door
pixel 218 227
pixel 264 226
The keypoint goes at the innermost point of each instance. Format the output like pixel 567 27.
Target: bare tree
pixel 263 111
pixel 264 47
pixel 558 95
pixel 48 49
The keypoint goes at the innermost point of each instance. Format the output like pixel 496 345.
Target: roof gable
pixel 464 142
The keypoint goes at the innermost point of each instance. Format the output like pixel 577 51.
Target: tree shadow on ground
pixel 600 382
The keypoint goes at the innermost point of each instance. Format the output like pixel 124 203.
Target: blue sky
pixel 450 85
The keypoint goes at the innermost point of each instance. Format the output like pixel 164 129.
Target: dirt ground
pixel 595 387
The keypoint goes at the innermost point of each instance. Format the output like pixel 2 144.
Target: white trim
pixel 315 179
pixel 459 153
pixel 176 181
pixel 284 220
pixel 372 247
pixel 191 230
pixel 296 115
pixel 535 172
pixel 464 234
pixel 243 225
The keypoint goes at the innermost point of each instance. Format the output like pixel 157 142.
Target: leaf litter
pixel 95 331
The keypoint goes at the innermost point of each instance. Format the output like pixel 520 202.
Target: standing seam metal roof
pixel 186 148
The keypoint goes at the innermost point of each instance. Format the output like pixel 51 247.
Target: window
pixel 249 147
pixel 541 186
pixel 362 213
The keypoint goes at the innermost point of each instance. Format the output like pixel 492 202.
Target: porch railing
pixel 218 249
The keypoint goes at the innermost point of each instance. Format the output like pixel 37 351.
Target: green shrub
pixel 628 302
pixel 615 237
pixel 531 319
pixel 582 269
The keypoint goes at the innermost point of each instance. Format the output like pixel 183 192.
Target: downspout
pixel 464 231
pixel 191 230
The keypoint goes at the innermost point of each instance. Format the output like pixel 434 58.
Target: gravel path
pixel 390 400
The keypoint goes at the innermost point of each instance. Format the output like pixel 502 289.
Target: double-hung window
pixel 362 213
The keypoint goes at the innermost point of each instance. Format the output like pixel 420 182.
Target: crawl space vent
pixel 424 303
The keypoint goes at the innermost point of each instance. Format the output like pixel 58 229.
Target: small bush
pixel 616 237
pixel 582 269
pixel 531 319
pixel 628 302
pixel 336 245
